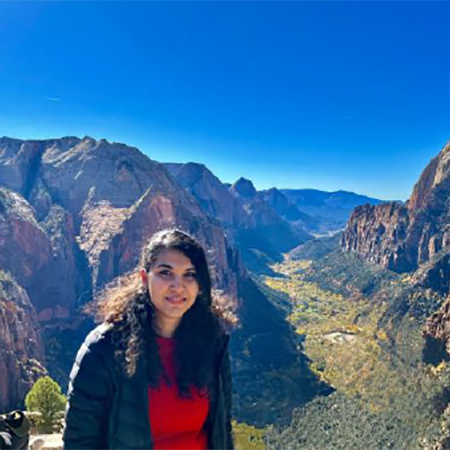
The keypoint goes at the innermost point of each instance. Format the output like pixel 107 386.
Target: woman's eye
pixel 165 273
pixel 190 275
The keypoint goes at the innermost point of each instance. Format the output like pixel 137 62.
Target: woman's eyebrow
pixel 164 265
pixel 168 266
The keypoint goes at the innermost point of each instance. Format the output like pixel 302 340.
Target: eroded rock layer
pixel 21 348
pixel 403 237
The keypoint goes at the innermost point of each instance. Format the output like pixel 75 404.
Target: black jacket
pixel 109 411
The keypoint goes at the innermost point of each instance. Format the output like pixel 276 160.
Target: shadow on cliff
pixel 271 374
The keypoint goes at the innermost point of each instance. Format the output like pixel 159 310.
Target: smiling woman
pixel 173 288
pixel 156 373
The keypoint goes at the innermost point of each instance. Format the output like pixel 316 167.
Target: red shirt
pixel 176 423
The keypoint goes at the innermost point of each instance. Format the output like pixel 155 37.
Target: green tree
pixel 46 398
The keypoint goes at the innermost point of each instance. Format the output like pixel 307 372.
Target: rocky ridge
pixel 412 238
pixel 248 218
pixel 402 237
pixel 74 214
pixel 21 347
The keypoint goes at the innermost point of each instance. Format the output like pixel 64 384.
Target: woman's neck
pixel 166 326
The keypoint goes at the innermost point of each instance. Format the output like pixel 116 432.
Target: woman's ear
pixel 144 277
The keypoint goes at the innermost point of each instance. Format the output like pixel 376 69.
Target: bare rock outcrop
pixel 21 348
pixel 403 237
pixel 33 251
pixel 213 196
pixel 377 233
pixel 415 238
pixel 83 194
pixel 244 189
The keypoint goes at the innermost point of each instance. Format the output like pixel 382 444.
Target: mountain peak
pixel 244 188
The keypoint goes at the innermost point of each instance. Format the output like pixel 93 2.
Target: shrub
pixel 46 398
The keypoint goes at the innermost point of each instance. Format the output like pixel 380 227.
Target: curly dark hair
pixel 126 304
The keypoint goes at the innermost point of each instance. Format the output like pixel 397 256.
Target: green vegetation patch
pixel 362 330
pixel 247 437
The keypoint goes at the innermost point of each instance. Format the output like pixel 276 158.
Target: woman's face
pixel 172 284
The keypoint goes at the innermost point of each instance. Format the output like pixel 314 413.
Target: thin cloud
pixel 52 99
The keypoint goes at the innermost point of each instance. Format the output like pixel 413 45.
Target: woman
pixel 156 373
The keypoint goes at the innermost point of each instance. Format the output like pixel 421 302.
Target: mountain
pixel 330 210
pixel 21 347
pixel 243 189
pixel 74 214
pixel 413 238
pixel 212 195
pixel 261 234
pixel 286 209
pixel 404 237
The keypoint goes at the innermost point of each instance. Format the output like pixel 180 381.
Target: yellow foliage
pixel 247 437
pixel 381 335
pixel 439 368
pixel 342 337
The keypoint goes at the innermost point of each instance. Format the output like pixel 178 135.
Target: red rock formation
pixel 21 349
pixel 213 196
pixel 403 237
pixel 377 233
pixel 81 212
pixel 33 252
pixel 249 218
pixel 412 238
pixel 156 211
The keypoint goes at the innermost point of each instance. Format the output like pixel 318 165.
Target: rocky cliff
pixel 271 233
pixel 249 220
pixel 412 237
pixel 74 214
pixel 212 195
pixel 87 196
pixel 404 237
pixel 32 251
pixel 21 348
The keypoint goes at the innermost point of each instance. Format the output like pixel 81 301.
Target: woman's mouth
pixel 176 300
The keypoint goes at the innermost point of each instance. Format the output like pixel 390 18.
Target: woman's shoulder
pixel 100 335
pixel 98 343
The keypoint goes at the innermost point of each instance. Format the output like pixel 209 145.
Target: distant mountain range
pixel 330 210
pixel 265 224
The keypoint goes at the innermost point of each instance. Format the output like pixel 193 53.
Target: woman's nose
pixel 176 283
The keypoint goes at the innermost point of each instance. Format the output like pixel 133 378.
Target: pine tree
pixel 46 398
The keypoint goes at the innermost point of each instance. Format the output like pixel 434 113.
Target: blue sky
pixel 326 95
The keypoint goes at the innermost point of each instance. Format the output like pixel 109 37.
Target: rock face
pixel 414 237
pixel 33 251
pixel 84 197
pixel 244 189
pixel 287 210
pixel 21 349
pixel 378 233
pixel 74 214
pixel 404 237
pixel 212 195
pixel 246 215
